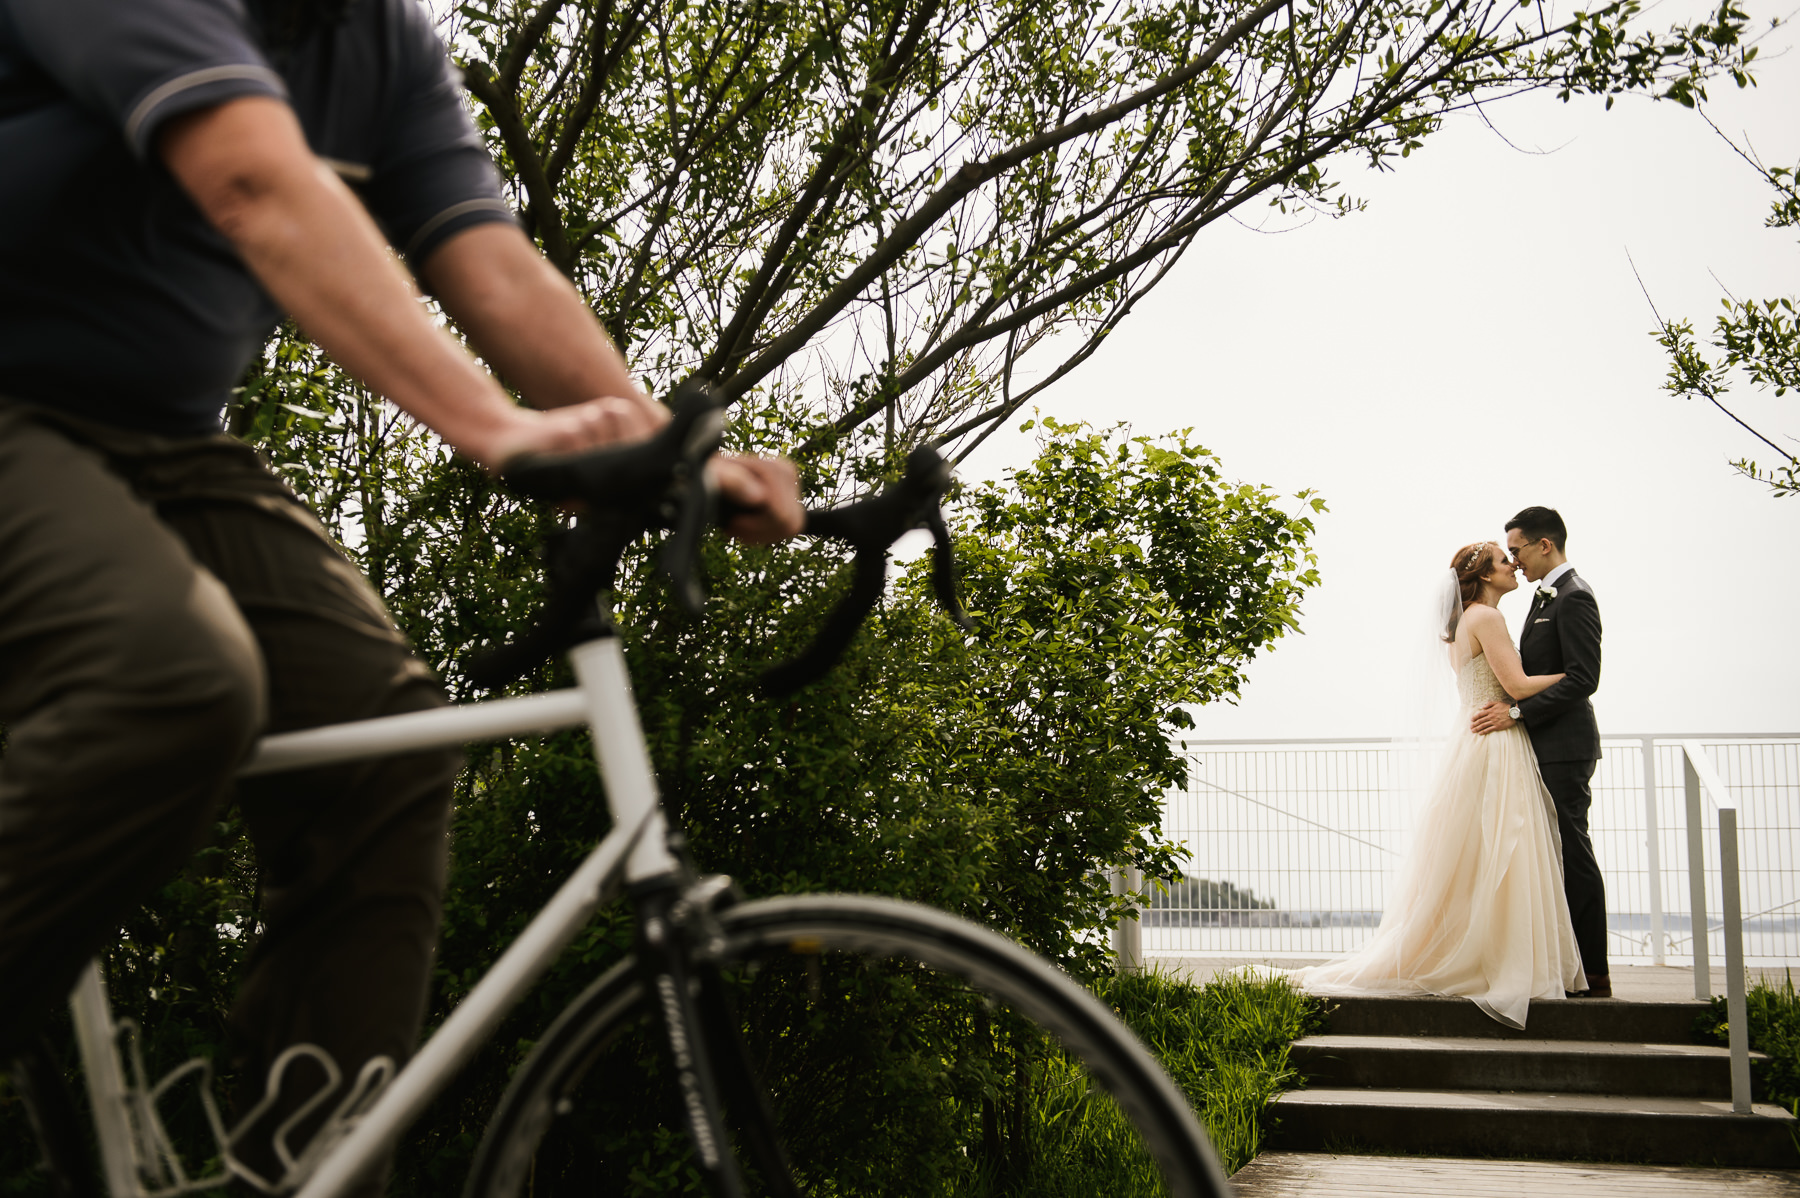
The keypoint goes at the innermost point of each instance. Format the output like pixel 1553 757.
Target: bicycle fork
pixel 672 990
pixel 677 934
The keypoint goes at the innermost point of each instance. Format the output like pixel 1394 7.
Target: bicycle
pixel 699 946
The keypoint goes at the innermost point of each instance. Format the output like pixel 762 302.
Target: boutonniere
pixel 1546 592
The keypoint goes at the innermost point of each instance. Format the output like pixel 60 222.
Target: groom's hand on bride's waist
pixel 1491 718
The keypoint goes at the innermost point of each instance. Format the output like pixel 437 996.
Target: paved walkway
pixel 1322 1175
pixel 1634 983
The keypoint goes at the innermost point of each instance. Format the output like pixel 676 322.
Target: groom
pixel 1562 636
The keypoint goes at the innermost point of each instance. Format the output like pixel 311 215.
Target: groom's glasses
pixel 1514 553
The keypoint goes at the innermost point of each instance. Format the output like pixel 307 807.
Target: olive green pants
pixel 163 602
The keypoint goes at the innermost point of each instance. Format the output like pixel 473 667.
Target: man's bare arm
pixel 524 317
pixel 309 242
pixel 313 247
pixel 528 321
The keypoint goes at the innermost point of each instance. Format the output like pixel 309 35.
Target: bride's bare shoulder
pixel 1481 619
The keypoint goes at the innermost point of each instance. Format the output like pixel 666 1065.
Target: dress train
pixel 1477 910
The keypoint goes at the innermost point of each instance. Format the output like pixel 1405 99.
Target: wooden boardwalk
pixel 1318 1175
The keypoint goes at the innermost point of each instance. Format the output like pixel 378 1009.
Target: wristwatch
pixel 1513 711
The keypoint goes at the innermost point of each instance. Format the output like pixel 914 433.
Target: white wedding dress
pixel 1477 908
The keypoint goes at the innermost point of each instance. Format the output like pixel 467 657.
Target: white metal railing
pixel 1291 843
pixel 1701 778
pixel 1294 841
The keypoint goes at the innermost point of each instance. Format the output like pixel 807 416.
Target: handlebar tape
pixel 871 526
pixel 816 660
pixel 627 476
pixel 580 562
pixel 663 483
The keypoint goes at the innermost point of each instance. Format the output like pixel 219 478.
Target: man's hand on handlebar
pixel 676 480
pixel 608 420
pixel 767 491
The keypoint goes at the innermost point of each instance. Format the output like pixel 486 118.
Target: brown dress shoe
pixel 1599 986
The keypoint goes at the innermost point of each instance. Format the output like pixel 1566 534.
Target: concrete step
pixel 1560 1126
pixel 1568 1019
pixel 1467 1063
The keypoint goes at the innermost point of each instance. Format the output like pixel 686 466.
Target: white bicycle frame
pixel 636 849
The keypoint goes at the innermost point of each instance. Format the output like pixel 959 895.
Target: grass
pixel 1225 1045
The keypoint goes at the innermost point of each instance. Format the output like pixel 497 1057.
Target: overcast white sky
pixel 1473 343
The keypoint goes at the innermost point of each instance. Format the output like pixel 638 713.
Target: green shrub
pixel 1774 1018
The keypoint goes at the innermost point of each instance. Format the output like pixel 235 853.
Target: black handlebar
pixel 871 526
pixel 663 483
pixel 658 483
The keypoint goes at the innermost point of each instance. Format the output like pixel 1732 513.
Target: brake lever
pixel 943 571
pixel 690 506
pixel 661 482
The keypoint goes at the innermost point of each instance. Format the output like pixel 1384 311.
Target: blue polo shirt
pixel 118 301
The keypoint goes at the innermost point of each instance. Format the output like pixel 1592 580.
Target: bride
pixel 1477 909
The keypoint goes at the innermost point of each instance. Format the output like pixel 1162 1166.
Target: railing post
pixel 1128 936
pixel 1737 1019
pixel 1696 838
pixel 1653 856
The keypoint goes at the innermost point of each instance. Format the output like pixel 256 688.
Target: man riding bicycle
pixel 175 174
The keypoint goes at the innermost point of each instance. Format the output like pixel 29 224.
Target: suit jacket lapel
pixel 1539 605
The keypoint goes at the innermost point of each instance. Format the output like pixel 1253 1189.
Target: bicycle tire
pixel 852 932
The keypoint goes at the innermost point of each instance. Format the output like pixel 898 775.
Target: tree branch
pixel 530 167
pixel 525 44
pixel 966 180
pixel 603 59
pixel 826 182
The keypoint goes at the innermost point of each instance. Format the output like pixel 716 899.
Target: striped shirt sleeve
pixel 433 177
pixel 140 62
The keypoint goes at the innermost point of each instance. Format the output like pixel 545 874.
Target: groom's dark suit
pixel 1562 636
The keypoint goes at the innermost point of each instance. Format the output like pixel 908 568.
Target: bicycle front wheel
pixel 901 1051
